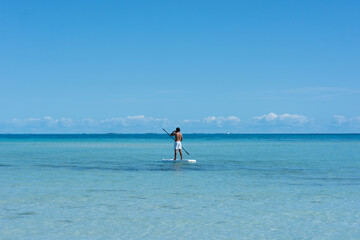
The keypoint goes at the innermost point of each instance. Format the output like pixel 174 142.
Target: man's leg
pixel 180 153
pixel 175 155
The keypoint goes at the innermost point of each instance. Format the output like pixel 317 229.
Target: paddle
pixel 174 140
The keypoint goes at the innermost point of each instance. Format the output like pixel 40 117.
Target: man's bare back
pixel 178 137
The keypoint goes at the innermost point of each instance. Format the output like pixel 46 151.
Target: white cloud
pixel 133 120
pixel 290 119
pixel 268 117
pixel 137 123
pixel 209 119
pixel 294 117
pixel 66 122
pixel 89 122
pixel 213 123
pixel 50 122
pixel 340 119
pixel 39 122
pixel 136 117
pixel 221 120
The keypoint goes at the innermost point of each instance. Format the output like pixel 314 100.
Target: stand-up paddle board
pixel 178 160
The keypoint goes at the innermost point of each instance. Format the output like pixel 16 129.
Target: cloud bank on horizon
pixel 267 123
pixel 290 119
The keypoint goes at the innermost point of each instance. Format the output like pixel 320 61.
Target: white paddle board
pixel 178 160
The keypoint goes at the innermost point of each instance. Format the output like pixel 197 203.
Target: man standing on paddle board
pixel 178 140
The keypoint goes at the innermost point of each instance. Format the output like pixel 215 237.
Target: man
pixel 178 140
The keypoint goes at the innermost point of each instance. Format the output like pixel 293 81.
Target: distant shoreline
pixel 183 133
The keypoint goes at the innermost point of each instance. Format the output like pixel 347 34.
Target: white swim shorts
pixel 177 145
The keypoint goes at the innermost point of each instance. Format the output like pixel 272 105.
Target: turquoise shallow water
pixel 242 187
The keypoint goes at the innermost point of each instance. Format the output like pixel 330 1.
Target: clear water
pixel 242 187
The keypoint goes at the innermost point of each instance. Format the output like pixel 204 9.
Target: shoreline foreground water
pixel 243 186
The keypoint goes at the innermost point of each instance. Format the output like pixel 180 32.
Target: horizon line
pixel 226 133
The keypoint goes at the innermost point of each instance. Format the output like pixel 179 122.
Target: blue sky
pixel 207 66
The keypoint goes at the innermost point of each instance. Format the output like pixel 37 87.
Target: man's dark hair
pixel 178 129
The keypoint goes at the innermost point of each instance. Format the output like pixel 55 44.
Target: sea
pixel 243 186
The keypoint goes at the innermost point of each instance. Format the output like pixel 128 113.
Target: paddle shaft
pixel 174 140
